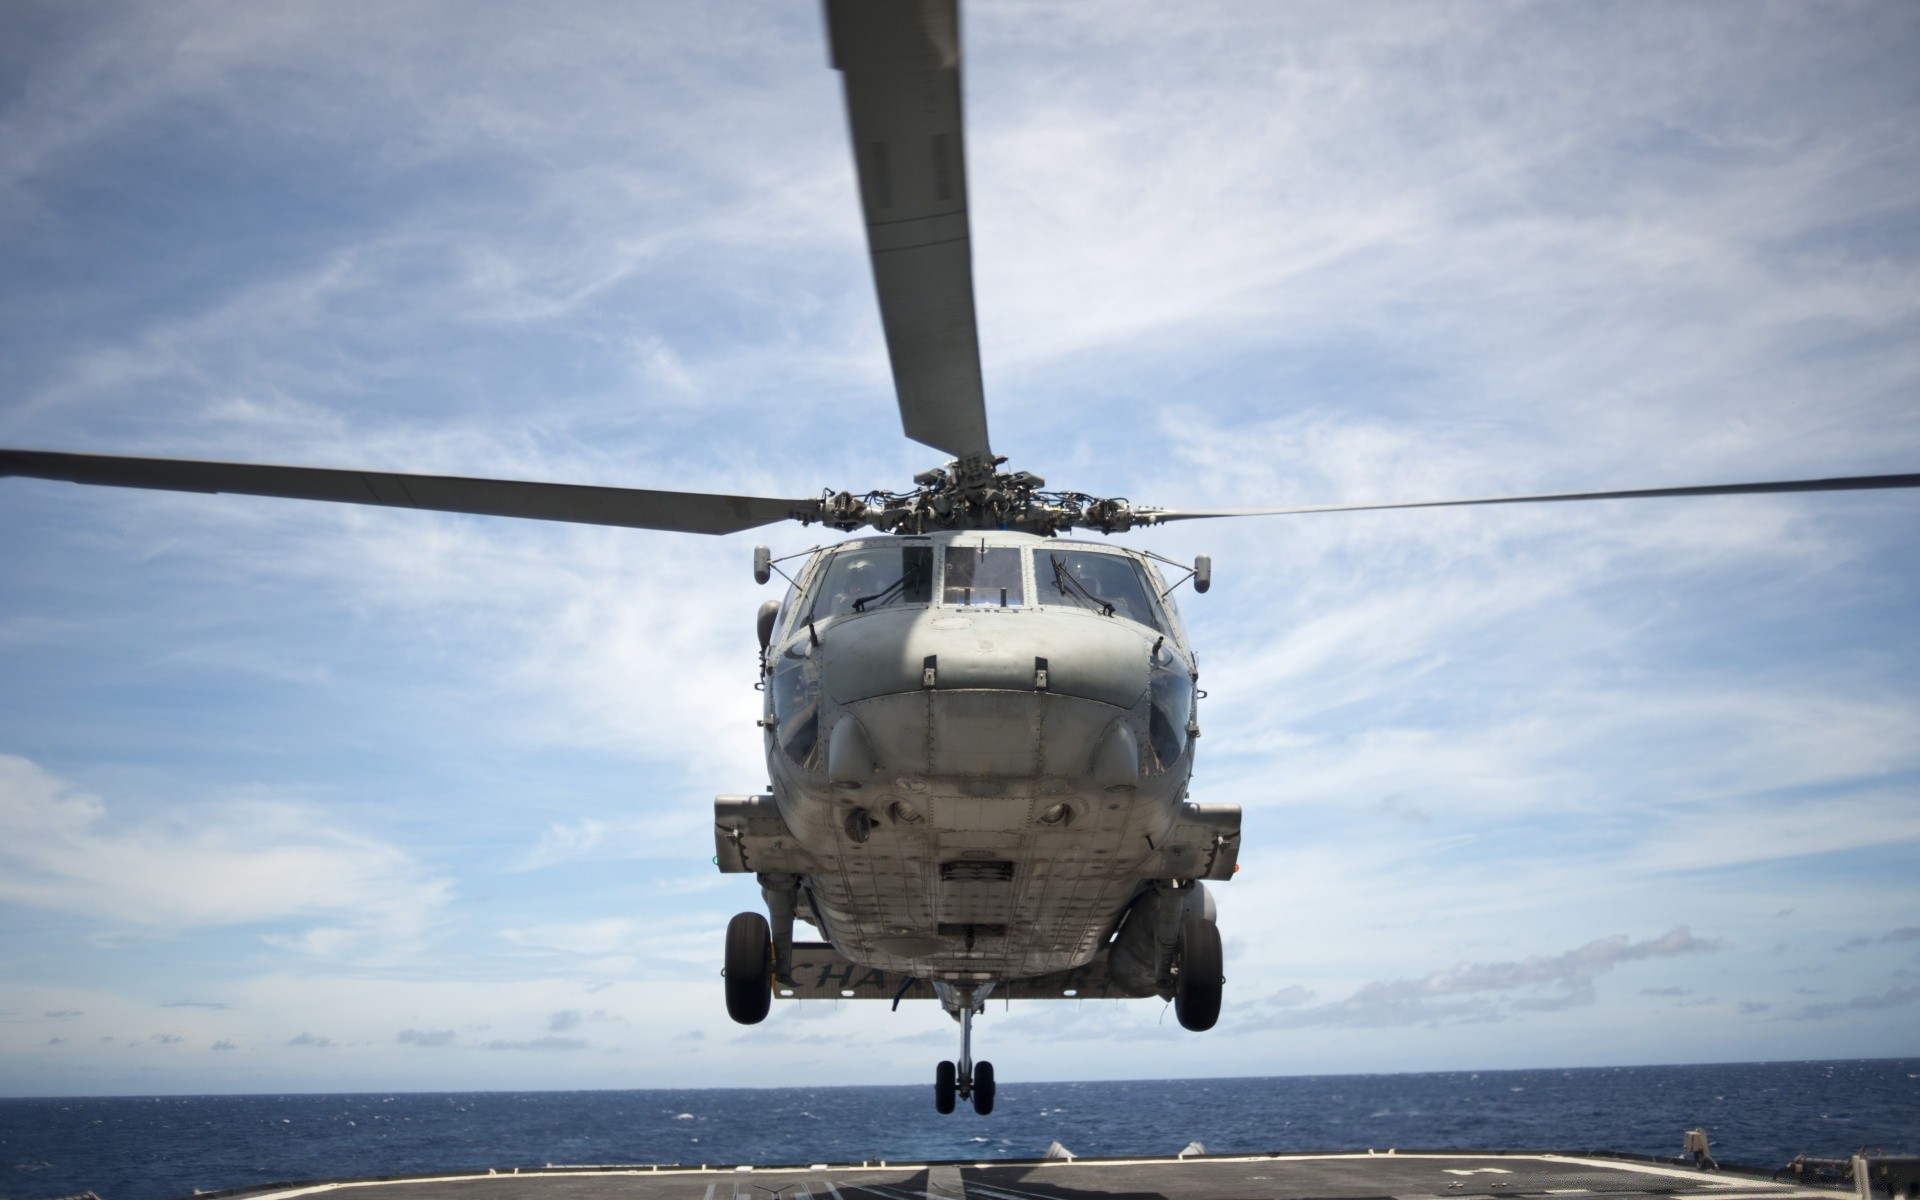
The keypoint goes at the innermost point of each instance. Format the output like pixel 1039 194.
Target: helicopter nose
pixel 1062 654
pixel 992 697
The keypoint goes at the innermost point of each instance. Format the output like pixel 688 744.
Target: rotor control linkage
pixel 975 495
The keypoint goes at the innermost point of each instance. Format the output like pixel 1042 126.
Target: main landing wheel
pixel 945 1087
pixel 1196 997
pixel 749 968
pixel 983 1088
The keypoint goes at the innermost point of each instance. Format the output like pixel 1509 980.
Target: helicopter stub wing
pixel 1204 843
pixel 821 973
pixel 633 508
pixel 749 834
pixel 899 61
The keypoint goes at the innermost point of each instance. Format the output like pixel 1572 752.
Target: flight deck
pixel 1389 1175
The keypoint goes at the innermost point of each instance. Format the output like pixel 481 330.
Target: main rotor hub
pixel 974 493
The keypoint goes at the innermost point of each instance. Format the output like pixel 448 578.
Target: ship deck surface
pixel 1344 1176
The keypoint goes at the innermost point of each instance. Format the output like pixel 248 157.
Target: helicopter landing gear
pixel 749 968
pixel 1198 975
pixel 965 1080
pixel 945 1087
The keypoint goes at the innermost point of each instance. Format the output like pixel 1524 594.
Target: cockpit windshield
pixel 984 575
pixel 864 578
pixel 1107 583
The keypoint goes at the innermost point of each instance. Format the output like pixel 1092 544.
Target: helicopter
pixel 913 856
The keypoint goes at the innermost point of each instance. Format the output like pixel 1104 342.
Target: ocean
pixel 160 1147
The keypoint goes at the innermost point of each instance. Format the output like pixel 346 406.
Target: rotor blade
pixel 900 63
pixel 1847 483
pixel 634 508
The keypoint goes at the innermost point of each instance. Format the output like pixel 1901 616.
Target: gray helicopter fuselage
pixel 979 743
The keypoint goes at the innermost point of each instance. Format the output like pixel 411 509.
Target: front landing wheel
pixel 1196 997
pixel 749 968
pixel 946 1086
pixel 983 1088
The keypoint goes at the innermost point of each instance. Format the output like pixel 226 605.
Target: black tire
pixel 983 1088
pixel 946 1086
pixel 1196 997
pixel 749 968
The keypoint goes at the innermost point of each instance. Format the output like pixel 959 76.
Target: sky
pixel 312 798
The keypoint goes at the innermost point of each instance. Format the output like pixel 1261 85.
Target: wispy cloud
pixel 538 1044
pixel 1227 254
pixel 1906 933
pixel 1899 997
pixel 1467 993
pixel 425 1037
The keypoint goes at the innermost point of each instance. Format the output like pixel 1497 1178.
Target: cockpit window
pixel 1107 583
pixel 987 575
pixel 864 578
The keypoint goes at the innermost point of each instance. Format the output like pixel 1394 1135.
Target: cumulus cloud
pixel 1471 992
pixel 308 1039
pixel 223 1044
pixel 561 1022
pixel 240 862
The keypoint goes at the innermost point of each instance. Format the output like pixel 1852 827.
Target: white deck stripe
pixel 944 1183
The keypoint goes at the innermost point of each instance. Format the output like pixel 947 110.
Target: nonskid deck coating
pixel 1349 1176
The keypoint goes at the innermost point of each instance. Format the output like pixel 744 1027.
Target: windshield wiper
pixel 1067 583
pixel 885 595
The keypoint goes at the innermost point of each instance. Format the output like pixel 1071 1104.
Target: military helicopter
pixel 980 732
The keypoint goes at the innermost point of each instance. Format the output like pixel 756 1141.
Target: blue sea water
pixel 154 1148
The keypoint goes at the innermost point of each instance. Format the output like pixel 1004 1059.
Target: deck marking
pixel 944 1183
pixel 710 1188
pixel 1477 1171
pixel 1700 1178
pixel 832 1190
pixel 1002 1192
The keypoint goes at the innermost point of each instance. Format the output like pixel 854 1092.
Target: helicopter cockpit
pixel 867 577
pixel 871 576
pixel 1003 612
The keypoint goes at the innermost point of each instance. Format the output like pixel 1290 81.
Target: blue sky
pixel 297 797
